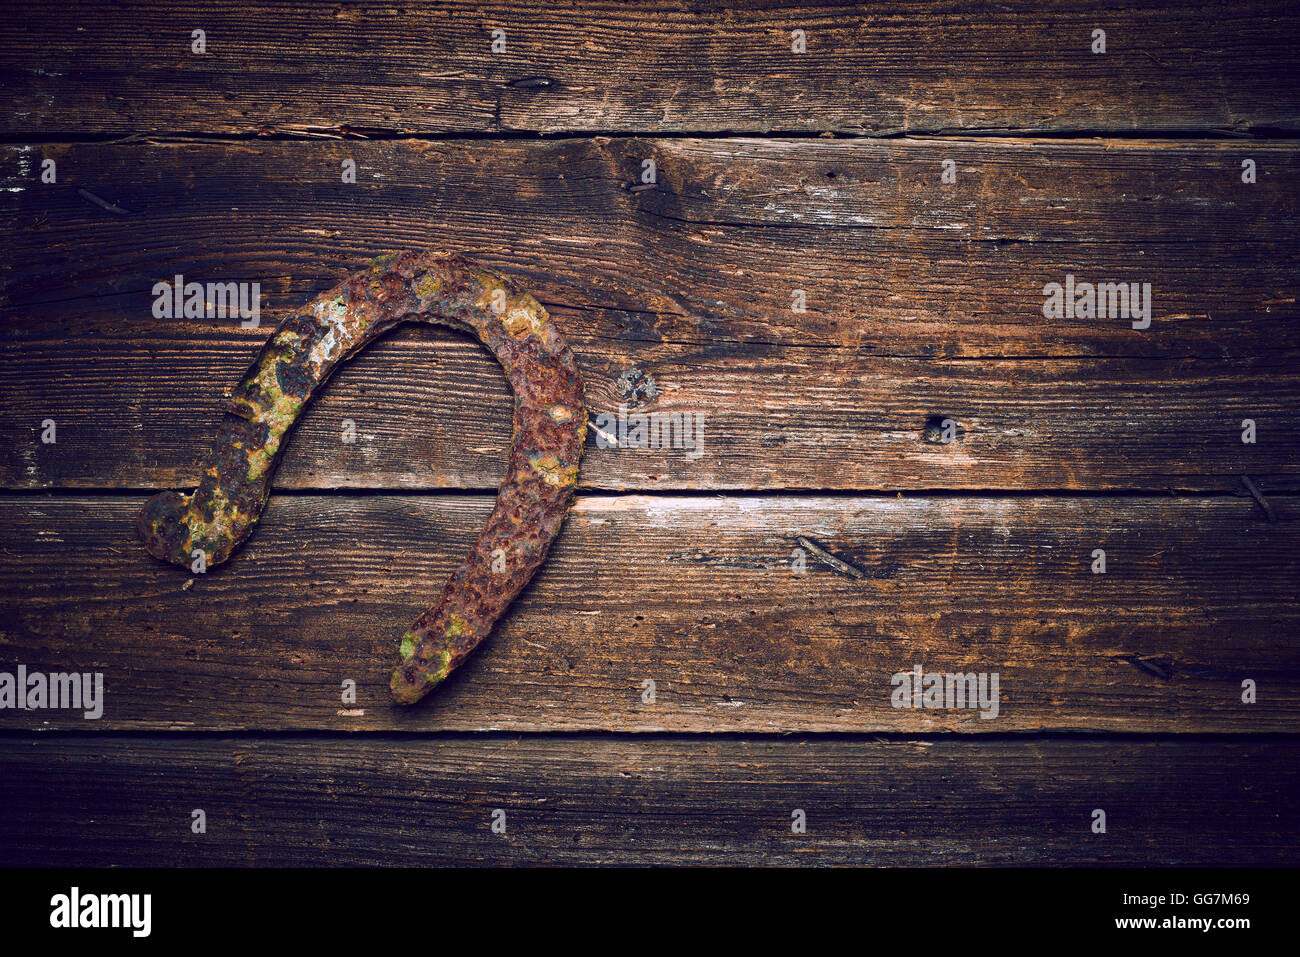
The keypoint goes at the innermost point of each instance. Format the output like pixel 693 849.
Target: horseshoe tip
pixel 407 686
pixel 162 527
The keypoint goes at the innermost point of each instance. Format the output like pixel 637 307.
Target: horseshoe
pixel 550 427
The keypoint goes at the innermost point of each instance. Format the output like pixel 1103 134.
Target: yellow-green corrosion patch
pixel 519 314
pixel 278 419
pixel 428 285
pixel 457 627
pixel 407 650
pixel 549 469
pixel 267 382
pixel 490 283
pixel 443 669
pixel 228 520
pixel 523 320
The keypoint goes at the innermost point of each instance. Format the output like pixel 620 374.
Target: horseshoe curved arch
pixel 550 426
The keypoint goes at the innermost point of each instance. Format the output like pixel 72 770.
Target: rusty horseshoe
pixel 550 427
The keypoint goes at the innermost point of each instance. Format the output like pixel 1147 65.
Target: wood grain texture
pixel 580 800
pixel 138 408
pixel 597 66
pixel 890 260
pixel 698 594
pixel 776 172
pixel 690 285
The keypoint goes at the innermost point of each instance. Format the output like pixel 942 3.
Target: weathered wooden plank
pixel 673 66
pixel 84 349
pixel 580 800
pixel 889 259
pixel 700 595
pixel 136 407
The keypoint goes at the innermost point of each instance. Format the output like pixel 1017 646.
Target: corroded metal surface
pixel 550 426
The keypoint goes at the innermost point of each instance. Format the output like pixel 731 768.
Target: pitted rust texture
pixel 550 426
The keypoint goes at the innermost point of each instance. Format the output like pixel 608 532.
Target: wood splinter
pixel 826 558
